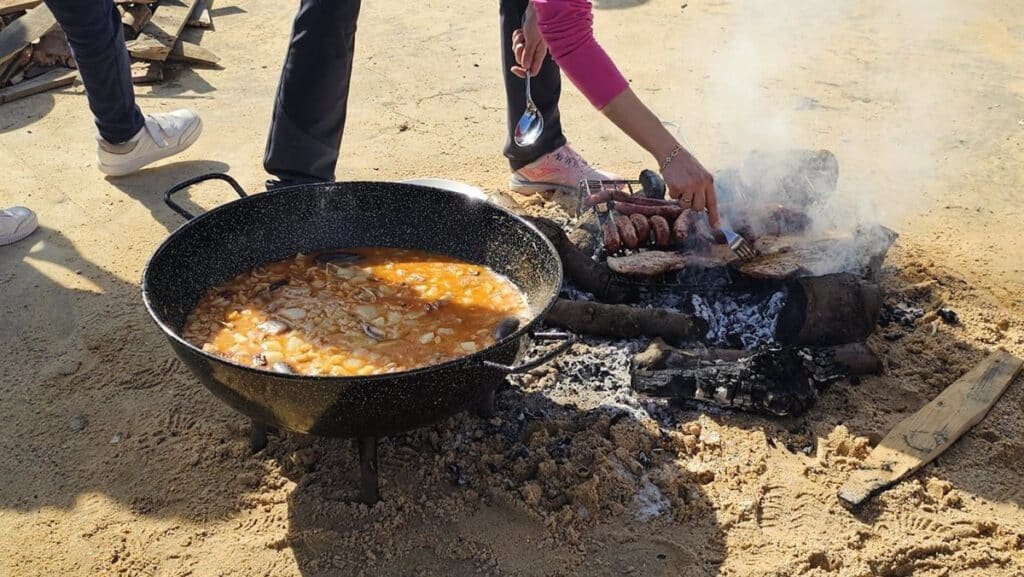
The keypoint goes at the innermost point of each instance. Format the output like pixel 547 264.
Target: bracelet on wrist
pixel 671 156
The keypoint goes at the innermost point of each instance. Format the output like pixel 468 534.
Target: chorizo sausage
pixel 668 212
pixel 612 241
pixel 681 227
pixel 623 196
pixel 626 231
pixel 662 234
pixel 643 228
pixel 597 198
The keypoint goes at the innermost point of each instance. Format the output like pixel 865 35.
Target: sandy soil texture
pixel 116 461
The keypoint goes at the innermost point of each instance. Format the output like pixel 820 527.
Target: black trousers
pixel 312 97
pixel 546 87
pixel 96 37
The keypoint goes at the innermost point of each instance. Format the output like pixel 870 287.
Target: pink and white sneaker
pixel 558 171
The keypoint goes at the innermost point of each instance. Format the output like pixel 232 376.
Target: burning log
pixel 856 358
pixel 829 310
pixel 584 272
pixel 624 322
pixel 770 380
pixel 774 380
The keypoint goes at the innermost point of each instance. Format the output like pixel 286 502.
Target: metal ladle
pixel 531 123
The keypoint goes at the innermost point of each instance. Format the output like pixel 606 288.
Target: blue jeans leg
pixel 93 28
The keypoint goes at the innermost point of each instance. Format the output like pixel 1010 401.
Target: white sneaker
pixel 16 223
pixel 163 135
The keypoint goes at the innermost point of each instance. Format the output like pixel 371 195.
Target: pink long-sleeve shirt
pixel 568 28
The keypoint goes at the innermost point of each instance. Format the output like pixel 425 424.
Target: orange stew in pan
pixel 356 312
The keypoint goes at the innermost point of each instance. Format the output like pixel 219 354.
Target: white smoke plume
pixel 822 74
pixel 808 75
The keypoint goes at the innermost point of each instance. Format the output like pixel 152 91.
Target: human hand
pixel 688 181
pixel 528 46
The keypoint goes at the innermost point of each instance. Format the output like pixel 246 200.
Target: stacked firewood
pixel 35 57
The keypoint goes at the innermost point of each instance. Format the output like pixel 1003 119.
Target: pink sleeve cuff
pixel 568 29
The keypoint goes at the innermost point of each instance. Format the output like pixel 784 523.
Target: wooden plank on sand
pixel 147 71
pixel 134 17
pixel 201 17
pixel 918 439
pixel 12 6
pixel 24 31
pixel 158 36
pixel 193 54
pixel 48 81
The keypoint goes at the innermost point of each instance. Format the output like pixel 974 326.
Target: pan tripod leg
pixel 485 406
pixel 258 435
pixel 369 490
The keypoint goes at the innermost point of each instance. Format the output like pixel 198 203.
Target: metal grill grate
pixel 595 196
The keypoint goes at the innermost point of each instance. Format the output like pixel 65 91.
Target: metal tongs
pixel 739 245
pixel 743 250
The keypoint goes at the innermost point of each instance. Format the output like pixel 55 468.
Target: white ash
pixel 661 300
pixel 596 374
pixel 649 502
pixel 741 321
pixel 574 294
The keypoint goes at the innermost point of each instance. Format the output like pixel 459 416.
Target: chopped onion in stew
pixel 355 312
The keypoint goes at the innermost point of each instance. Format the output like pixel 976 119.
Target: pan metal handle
pixel 192 181
pixel 568 339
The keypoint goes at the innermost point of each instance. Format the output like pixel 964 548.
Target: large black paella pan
pixel 213 247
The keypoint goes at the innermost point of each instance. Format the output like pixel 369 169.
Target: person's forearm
pixel 639 123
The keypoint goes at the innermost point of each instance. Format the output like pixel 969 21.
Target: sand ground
pixel 117 461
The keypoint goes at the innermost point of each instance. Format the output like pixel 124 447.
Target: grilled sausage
pixel 662 234
pixel 598 198
pixel 668 212
pixel 681 227
pixel 623 196
pixel 643 228
pixel 612 241
pixel 626 231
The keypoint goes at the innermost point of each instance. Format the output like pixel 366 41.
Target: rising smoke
pixel 824 74
pixel 815 74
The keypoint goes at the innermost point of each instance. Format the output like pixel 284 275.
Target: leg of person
pixel 546 88
pixel 128 140
pixel 16 223
pixel 312 95
pixel 550 164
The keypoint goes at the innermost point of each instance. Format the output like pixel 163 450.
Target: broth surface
pixel 355 312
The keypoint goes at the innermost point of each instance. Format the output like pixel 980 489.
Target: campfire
pixel 764 334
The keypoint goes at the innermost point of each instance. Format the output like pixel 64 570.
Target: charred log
pixel 829 310
pixel 625 322
pixel 582 270
pixel 771 380
pixel 853 358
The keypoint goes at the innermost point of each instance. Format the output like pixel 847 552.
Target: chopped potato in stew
pixel 362 311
